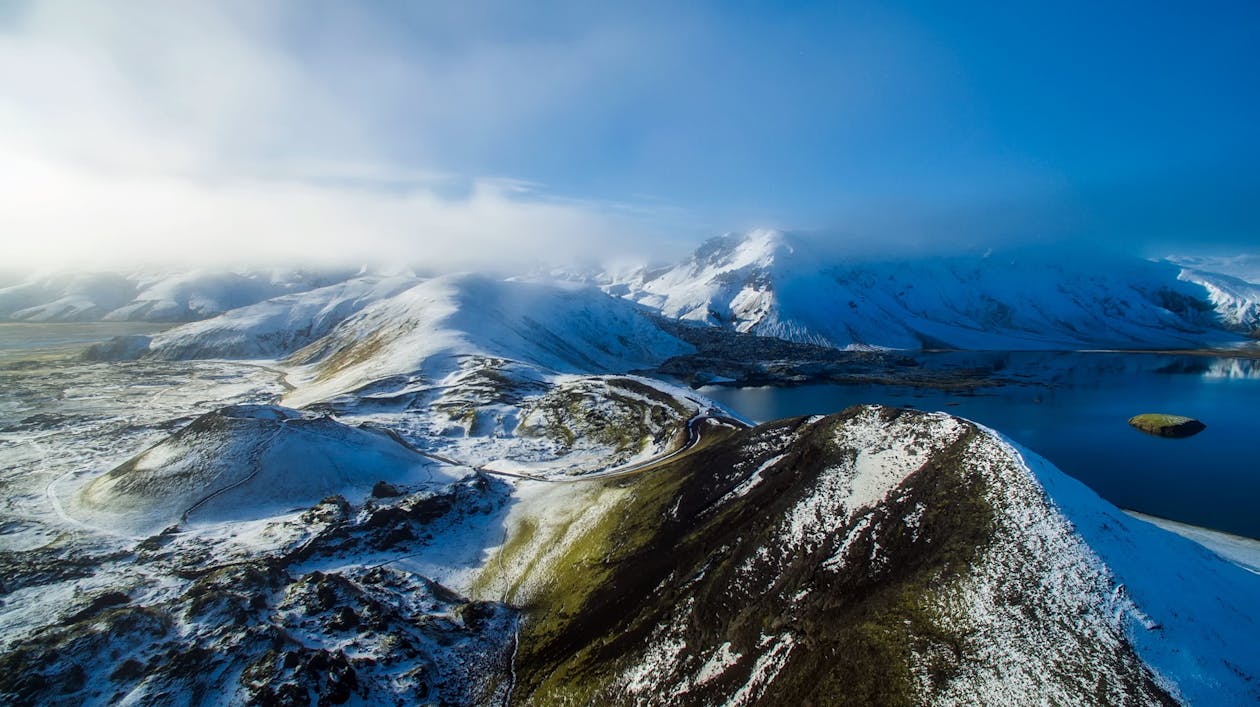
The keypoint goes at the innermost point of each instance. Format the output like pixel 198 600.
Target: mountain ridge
pixel 636 547
pixel 151 296
pixel 874 556
pixel 774 284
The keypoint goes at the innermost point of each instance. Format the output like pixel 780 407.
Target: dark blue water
pixel 1073 408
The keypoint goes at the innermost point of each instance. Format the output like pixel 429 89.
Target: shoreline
pixel 1238 549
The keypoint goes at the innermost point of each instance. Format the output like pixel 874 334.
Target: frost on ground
pixel 155 507
pixel 459 492
pixel 244 604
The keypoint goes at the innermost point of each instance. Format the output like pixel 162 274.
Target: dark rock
pixel 333 509
pixel 343 619
pixel 74 679
pixel 384 489
pixel 127 671
pixel 475 614
pixel 400 533
pixel 98 605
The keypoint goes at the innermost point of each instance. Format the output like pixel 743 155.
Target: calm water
pixel 1073 410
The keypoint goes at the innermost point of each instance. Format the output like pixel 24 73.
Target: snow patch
pixel 717 663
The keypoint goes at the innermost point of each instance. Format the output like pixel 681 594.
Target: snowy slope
pixel 245 462
pixel 149 296
pixel 1237 300
pixel 1196 623
pixel 560 327
pixel 269 329
pixel 69 297
pixel 1244 266
pixel 877 556
pixel 200 293
pixel 773 284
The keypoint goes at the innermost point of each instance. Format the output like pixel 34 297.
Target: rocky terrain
pixel 877 556
pixel 469 490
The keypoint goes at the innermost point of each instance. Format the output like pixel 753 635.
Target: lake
pixel 1073 408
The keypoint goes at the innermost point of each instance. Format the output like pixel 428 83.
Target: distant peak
pixel 761 246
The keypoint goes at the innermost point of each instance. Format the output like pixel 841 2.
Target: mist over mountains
pixel 388 353
pixel 768 283
pixel 469 488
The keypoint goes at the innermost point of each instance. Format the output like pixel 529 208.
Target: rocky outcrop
pixel 1162 425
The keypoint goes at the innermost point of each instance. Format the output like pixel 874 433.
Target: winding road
pixel 694 426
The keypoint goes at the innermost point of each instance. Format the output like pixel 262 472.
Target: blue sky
pixel 421 129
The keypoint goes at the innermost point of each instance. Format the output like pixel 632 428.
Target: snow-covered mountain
pixel 354 333
pixel 465 513
pixel 147 296
pixel 876 556
pixel 774 284
pixel 454 490
pixel 764 282
pixel 1236 300
pixel 425 330
pixel 1244 267
pixel 271 328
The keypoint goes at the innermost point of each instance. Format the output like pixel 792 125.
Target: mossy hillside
pixel 333 358
pixel 857 630
pixel 576 532
pixel 575 609
pixel 476 396
pixel 865 623
pixel 558 565
pixel 617 412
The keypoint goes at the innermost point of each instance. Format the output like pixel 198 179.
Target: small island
pixel 1162 425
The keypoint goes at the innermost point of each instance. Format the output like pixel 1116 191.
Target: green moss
pixel 619 413
pixel 1164 425
pixel 585 587
pixel 519 547
pixel 563 625
pixel 858 635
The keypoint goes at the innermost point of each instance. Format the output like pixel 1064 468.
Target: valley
pixel 469 490
pixel 567 354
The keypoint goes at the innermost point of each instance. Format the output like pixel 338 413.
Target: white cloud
pixel 192 133
pixel 56 215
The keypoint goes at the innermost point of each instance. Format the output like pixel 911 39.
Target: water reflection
pixel 1233 368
